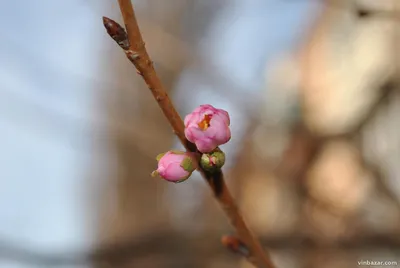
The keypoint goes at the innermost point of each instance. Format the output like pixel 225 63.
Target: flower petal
pixel 203 108
pixel 169 158
pixel 192 119
pixel 224 115
pixel 174 172
pixel 206 145
pixel 219 130
pixel 194 133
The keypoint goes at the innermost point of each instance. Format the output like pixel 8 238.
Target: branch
pixel 134 47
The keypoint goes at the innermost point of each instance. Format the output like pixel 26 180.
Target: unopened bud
pixel 174 166
pixel 213 161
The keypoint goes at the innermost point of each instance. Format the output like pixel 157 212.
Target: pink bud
pixel 174 166
pixel 207 127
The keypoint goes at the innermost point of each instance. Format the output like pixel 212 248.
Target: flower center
pixel 205 123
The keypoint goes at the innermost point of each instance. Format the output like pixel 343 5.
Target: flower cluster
pixel 207 127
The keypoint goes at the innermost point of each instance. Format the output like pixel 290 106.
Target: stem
pixel 134 47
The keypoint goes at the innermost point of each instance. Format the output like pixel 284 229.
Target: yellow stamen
pixel 205 123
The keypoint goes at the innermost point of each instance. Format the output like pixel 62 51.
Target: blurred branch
pixel 299 155
pixel 387 91
pixel 359 9
pixel 396 43
pixel 134 47
pixel 172 245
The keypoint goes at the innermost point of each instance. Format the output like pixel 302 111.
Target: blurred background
pixel 312 87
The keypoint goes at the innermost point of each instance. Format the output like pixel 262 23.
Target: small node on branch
pixel 149 62
pixel 132 55
pixel 234 244
pixel 117 33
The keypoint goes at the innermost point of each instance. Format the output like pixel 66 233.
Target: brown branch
pixel 134 47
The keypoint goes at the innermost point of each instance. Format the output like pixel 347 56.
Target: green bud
pixel 212 161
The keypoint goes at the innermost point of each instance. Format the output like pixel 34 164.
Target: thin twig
pixel 134 47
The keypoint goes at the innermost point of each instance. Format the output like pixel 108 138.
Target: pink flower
pixel 207 127
pixel 174 166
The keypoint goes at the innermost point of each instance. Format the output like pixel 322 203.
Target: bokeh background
pixel 312 87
